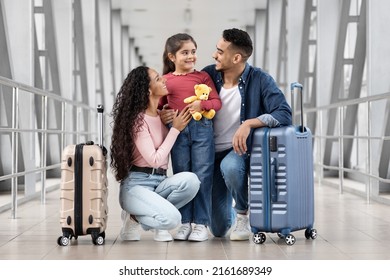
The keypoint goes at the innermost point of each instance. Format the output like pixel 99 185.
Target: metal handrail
pixel 14 130
pixel 14 84
pixel 348 102
pixel 320 135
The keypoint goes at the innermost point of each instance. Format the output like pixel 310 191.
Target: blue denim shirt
pixel 260 97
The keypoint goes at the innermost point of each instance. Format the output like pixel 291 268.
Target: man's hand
pixel 167 114
pixel 242 133
pixel 239 139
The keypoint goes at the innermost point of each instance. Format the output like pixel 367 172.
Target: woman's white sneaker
pixel 130 229
pixel 162 235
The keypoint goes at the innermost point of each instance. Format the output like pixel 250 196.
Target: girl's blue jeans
pixel 194 151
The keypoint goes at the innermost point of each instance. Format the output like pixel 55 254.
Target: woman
pixel 140 149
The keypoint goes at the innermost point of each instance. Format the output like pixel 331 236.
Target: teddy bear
pixel 202 92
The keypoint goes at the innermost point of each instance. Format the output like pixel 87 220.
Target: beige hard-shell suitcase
pixel 83 190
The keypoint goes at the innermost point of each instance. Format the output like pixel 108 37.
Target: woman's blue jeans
pixel 155 199
pixel 194 151
pixel 230 185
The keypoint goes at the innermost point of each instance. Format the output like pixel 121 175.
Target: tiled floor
pixel 348 229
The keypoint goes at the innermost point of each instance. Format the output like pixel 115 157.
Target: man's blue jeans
pixel 230 184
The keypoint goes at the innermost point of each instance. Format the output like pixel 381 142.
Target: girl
pixel 194 147
pixel 139 152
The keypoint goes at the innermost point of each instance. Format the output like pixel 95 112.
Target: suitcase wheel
pixel 259 238
pixel 311 233
pixel 63 241
pixel 98 239
pixel 289 239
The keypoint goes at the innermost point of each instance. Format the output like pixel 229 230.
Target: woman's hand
pixel 181 120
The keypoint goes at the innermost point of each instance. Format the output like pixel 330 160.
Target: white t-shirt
pixel 227 119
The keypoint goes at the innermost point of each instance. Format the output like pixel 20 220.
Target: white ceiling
pixel 151 22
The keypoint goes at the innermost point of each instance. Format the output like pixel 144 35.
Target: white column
pixel 106 38
pixel 295 16
pixel 62 16
pixel 88 14
pixel 125 52
pixel 328 25
pixel 117 49
pixel 274 21
pixel 259 38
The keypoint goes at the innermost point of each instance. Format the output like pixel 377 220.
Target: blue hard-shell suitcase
pixel 281 191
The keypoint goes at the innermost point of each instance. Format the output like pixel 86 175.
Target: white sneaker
pixel 242 231
pixel 162 235
pixel 130 228
pixel 199 233
pixel 183 232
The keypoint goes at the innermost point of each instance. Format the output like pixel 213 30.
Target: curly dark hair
pixel 240 41
pixel 172 45
pixel 131 101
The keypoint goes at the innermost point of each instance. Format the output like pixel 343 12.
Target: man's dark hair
pixel 240 41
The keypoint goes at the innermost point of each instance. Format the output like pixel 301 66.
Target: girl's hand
pixel 181 120
pixel 195 106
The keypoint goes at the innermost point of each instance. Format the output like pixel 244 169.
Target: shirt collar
pixel 245 74
pixel 243 77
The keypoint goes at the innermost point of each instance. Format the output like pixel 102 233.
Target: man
pixel 250 99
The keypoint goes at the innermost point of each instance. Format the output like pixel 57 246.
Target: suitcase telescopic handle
pixel 100 110
pixel 300 87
